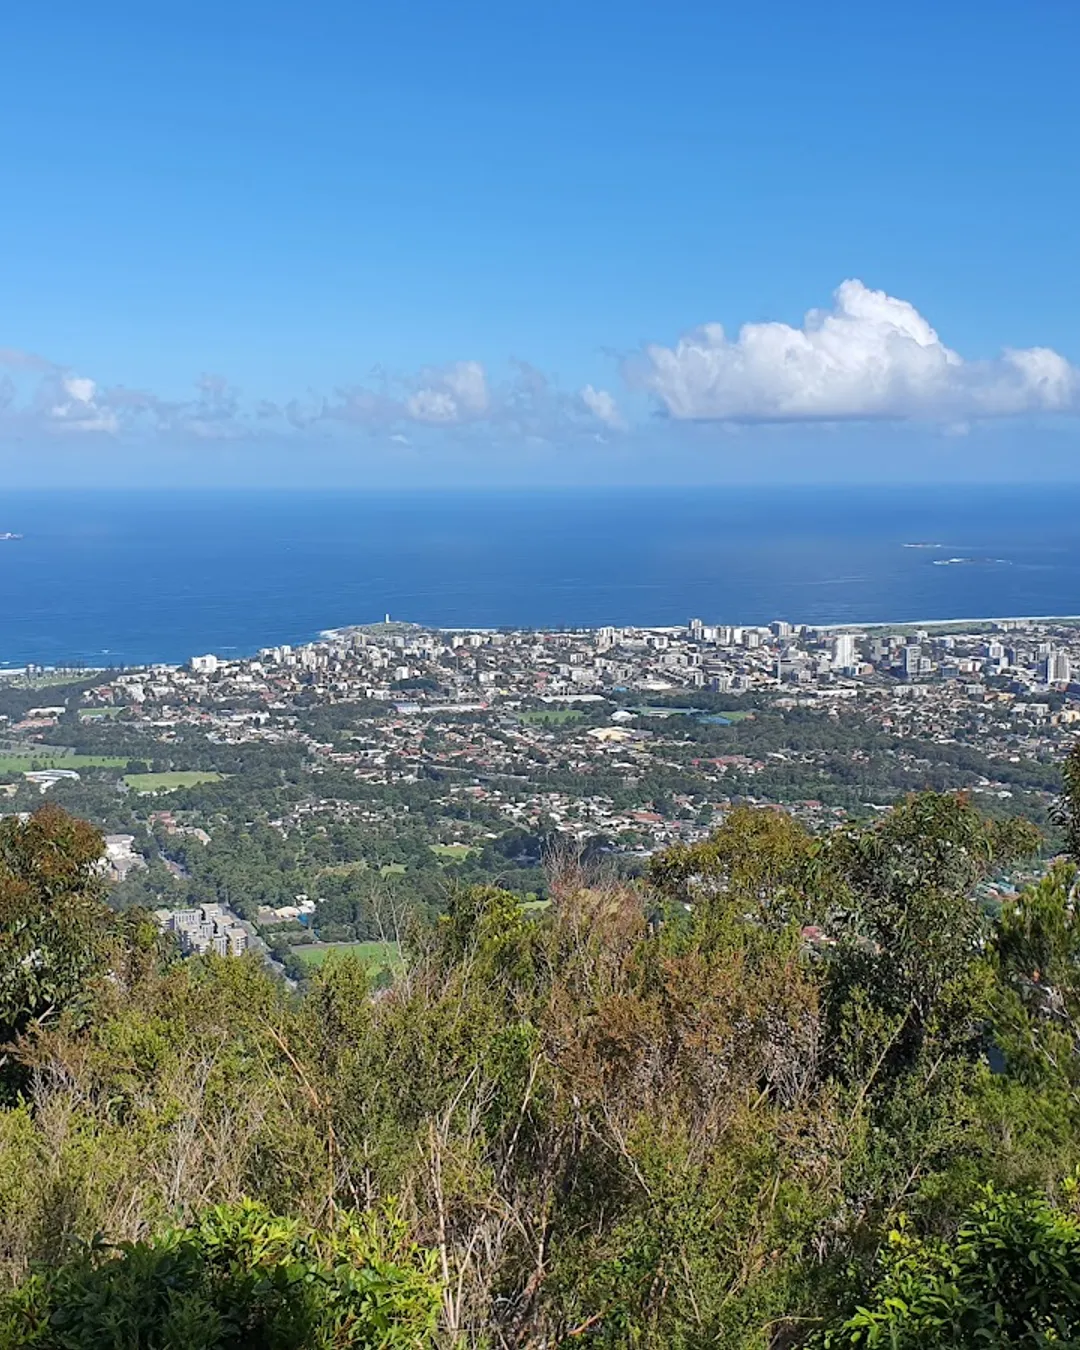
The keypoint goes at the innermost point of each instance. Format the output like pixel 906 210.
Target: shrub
pixel 1010 1278
pixel 240 1278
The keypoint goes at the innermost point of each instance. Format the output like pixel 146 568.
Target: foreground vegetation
pixel 783 1090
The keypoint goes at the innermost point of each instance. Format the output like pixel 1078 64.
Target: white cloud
pixel 603 407
pixel 454 393
pixel 468 383
pixel 870 356
pixel 432 405
pixel 76 407
pixel 81 389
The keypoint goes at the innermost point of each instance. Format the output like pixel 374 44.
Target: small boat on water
pixel 6 534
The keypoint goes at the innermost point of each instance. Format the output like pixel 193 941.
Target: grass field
pixel 452 852
pixel 343 869
pixel 360 865
pixel 46 679
pixel 378 955
pixel 51 760
pixel 168 782
pixel 550 716
pixel 95 714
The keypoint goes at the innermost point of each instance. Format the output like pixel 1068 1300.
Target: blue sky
pixel 518 243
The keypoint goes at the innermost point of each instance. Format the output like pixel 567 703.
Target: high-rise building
pixel 843 651
pixel 1057 669
pixel 910 659
pixel 780 628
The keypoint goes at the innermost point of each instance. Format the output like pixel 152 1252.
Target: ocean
pixel 125 578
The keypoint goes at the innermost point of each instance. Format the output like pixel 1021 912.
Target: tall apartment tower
pixel 1057 668
pixel 843 651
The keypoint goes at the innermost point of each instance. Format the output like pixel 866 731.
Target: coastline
pixel 946 623
pixel 343 630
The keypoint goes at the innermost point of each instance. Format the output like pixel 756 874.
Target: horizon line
pixel 254 489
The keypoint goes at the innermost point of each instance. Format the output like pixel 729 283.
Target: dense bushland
pixel 784 1090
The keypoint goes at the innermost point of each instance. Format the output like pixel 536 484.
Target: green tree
pixel 55 930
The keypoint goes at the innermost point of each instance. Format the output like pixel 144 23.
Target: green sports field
pixel 452 852
pixel 24 763
pixel 378 955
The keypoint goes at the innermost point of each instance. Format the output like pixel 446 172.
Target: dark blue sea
pixel 125 578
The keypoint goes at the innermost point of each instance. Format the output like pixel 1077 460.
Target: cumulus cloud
pixel 77 407
pixel 80 389
pixel 603 407
pixel 869 356
pixel 450 394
